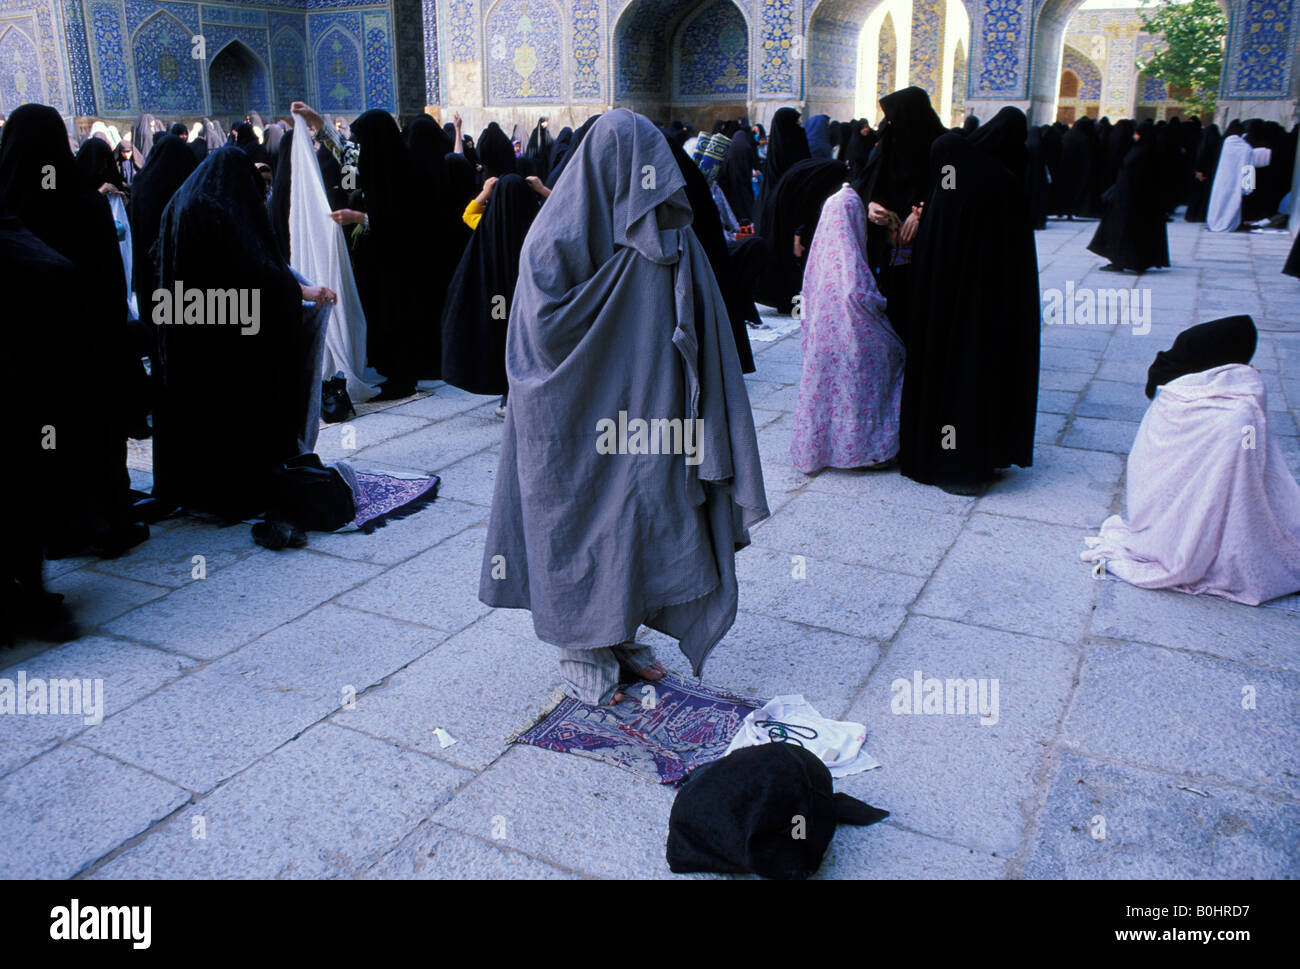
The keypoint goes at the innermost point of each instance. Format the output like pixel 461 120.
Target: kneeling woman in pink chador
pixel 1212 506
pixel 852 360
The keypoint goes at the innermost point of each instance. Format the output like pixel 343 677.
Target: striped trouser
pixel 592 675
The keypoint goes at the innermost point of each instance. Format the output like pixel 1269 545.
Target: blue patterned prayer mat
pixel 384 498
pixel 662 731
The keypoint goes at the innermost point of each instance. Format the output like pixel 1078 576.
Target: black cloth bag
pixel 745 814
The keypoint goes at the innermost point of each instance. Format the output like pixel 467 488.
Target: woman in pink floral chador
pixel 852 359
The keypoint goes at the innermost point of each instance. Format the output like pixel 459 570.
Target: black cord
pixel 786 733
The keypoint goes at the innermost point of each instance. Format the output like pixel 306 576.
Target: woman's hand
pixel 878 214
pixel 908 230
pixel 455 120
pixel 486 192
pixel 318 294
pixel 348 217
pixel 536 185
pixel 798 248
pixel 314 121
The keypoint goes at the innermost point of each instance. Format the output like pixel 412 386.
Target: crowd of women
pixel 551 271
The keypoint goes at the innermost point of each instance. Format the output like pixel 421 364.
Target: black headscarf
pixel 898 177
pixel 246 139
pixel 787 146
pixel 170 163
pixel 179 130
pixel 736 175
pixel 970 124
pixel 475 317
pixel 1204 347
pixel 1078 189
pixel 429 147
pixel 495 152
pixel 97 165
pixel 215 235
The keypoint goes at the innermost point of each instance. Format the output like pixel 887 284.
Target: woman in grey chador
pixel 629 471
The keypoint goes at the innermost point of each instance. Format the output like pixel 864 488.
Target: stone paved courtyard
pixel 1118 706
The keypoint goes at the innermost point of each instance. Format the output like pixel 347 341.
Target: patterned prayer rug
pixel 662 731
pixel 384 498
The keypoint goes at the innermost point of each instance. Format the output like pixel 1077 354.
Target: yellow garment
pixel 473 212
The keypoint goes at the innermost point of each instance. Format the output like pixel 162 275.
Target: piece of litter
pixel 1194 790
pixel 445 739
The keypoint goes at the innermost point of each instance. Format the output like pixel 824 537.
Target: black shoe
pixel 278 535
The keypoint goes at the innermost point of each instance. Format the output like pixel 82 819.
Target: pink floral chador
pixel 852 381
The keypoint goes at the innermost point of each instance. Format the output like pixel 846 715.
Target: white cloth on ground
pixel 318 251
pixel 838 744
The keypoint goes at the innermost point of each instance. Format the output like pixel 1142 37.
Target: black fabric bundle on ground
pixel 1205 164
pixel 1204 347
pixel 741 814
pixel 786 147
pixel 1132 233
pixel 794 210
pixel 736 176
pixel 475 319
pixel 41 187
pixel 970 391
pixel 219 384
pixel 707 225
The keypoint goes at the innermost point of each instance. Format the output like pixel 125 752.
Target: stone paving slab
pixel 948 774
pixel 71 806
pixel 1108 820
pixel 329 804
pixel 1189 715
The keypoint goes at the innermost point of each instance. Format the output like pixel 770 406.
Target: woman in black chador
pixel 970 389
pixel 894 185
pixel 235 398
pixel 1132 232
pixel 736 179
pixel 787 146
pixel 478 301
pixel 41 187
pixel 1204 166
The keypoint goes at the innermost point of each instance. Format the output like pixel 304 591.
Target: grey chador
pixel 617 318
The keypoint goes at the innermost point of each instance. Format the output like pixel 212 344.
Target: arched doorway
pixel 911 42
pixel 683 60
pixel 237 82
pixel 1111 38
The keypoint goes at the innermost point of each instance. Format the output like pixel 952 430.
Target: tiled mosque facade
pixel 512 60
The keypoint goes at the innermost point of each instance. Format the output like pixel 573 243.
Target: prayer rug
pixel 662 731
pixel 384 498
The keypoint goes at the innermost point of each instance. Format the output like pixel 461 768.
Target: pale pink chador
pixel 852 381
pixel 1211 503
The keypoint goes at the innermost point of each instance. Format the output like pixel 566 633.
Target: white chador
pixel 318 251
pixel 1232 180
